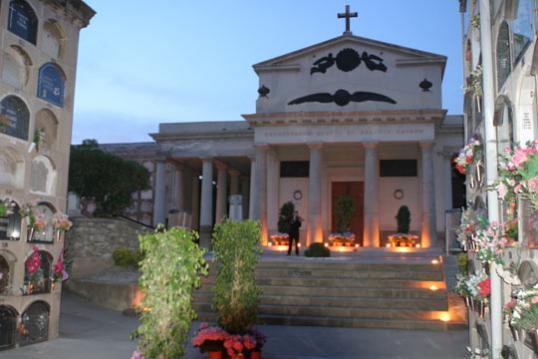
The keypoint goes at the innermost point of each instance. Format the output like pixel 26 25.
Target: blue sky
pixel 182 60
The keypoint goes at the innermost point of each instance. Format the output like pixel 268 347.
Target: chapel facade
pixel 348 116
pixel 38 60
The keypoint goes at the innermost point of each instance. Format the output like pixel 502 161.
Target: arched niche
pixel 522 31
pixel 504 59
pixel 40 281
pixel 43 176
pixel 22 20
pixel 53 39
pixel 16 67
pixel 34 326
pixel 504 123
pixel 47 128
pixel 8 325
pixel 14 117
pixel 46 211
pixel 11 168
pixel 51 84
pixel 5 275
pixel 10 223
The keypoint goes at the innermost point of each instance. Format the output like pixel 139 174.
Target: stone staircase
pixel 391 293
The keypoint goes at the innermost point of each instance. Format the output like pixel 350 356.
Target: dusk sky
pixel 142 63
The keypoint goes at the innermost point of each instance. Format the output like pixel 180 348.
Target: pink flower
pixel 532 184
pixel 534 300
pixel 520 157
pixel 502 190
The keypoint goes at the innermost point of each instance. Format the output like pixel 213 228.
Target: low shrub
pixel 317 250
pixel 124 257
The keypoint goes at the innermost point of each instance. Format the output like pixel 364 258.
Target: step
pixel 352 302
pixel 349 266
pixel 433 325
pixel 347 292
pixel 347 274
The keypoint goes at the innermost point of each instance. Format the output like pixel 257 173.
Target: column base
pixel 205 236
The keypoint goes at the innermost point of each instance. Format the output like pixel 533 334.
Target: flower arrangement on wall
pixel 468 156
pixel 522 311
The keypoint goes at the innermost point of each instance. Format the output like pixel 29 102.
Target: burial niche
pixel 51 84
pixel 46 235
pixel 8 324
pixel 37 276
pixel 46 129
pixel 504 60
pixel 4 275
pixel 53 39
pixel 22 20
pixel 10 223
pixel 34 327
pixel 14 117
pixel 522 31
pixel 16 66
pixel 43 176
pixel 11 169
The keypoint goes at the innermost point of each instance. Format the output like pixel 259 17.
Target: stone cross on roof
pixel 347 15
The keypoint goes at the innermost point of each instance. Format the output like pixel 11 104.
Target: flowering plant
pixel 36 218
pixel 522 311
pixel 491 241
pixel 259 337
pixel 473 286
pixel 60 273
pixel 468 226
pixel 61 222
pixel 518 170
pixel 210 339
pixel 280 239
pixel 341 239
pixel 33 264
pixel 237 345
pixel 468 155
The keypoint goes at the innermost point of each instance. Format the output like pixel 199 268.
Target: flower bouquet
pixel 344 239
pixel 210 339
pixel 467 229
pixel 280 239
pixel 34 271
pixel 35 219
pixel 491 240
pixel 522 311
pixel 468 156
pixel 239 346
pixel 59 273
pixel 61 224
pixel 476 290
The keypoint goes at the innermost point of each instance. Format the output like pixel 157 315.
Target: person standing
pixel 293 232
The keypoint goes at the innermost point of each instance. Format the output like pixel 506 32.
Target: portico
pixel 346 117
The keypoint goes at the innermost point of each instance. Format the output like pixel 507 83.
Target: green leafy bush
pixel 170 270
pixel 344 211
pixel 285 217
pixel 317 250
pixel 404 219
pixel 236 246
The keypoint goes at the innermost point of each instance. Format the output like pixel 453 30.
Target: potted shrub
pixel 317 250
pixel 344 212
pixel 402 238
pixel 171 268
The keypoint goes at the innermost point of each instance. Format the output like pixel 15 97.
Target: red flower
pixel 485 288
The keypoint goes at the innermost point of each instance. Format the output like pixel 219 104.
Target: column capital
pixel 315 146
pixel 221 166
pixel 262 147
pixel 206 159
pixel 370 145
pixel 426 145
pixel 233 172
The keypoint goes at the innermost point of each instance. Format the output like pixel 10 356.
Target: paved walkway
pixel 90 332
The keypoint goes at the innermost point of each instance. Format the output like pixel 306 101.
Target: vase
pixel 256 355
pixel 215 355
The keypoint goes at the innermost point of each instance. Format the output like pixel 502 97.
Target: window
pixel 294 168
pixel 398 168
pixel 22 20
pixel 51 83
pixel 503 55
pixel 522 31
pixel 14 117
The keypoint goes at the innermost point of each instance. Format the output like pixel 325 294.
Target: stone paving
pixel 90 332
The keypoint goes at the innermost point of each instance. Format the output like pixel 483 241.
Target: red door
pixel 356 191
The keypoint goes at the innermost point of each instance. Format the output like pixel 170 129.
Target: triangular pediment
pixel 404 54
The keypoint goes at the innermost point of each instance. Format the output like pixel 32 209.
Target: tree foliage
pixel 105 178
pixel 237 248
pixel 170 270
pixel 344 211
pixel 285 216
pixel 404 219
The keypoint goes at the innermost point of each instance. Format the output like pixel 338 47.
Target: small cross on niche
pixel 347 15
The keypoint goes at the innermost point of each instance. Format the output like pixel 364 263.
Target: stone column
pixel 315 227
pixel 260 193
pixel 179 194
pixel 206 210
pixel 234 181
pixel 371 196
pixel 195 215
pixel 222 193
pixel 159 199
pixel 252 192
pixel 429 225
pixel 245 188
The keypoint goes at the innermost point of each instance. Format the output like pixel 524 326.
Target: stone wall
pixel 91 241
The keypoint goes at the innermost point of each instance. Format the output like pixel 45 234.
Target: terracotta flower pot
pixel 215 355
pixel 256 355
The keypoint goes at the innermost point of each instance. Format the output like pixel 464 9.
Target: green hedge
pixel 317 250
